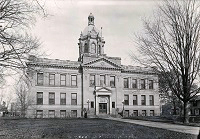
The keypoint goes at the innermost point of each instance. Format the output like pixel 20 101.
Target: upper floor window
pixel 150 84
pixel 62 98
pixel 86 48
pixel 151 100
pixel 113 104
pixel 92 80
pixel 51 79
pixel 112 81
pixel 73 80
pixel 126 99
pixel 62 79
pixel 39 98
pixel 73 99
pixel 102 80
pixel 142 81
pixel 125 82
pixel 143 100
pixel 40 78
pixel 51 98
pixel 134 83
pixel 194 103
pixel 134 99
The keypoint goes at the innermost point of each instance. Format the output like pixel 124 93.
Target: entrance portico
pixel 103 100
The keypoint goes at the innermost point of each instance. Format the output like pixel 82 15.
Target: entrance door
pixel 102 108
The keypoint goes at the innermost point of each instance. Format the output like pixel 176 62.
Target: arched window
pixel 86 48
pixel 99 49
pixel 93 48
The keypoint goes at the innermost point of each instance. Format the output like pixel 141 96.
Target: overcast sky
pixel 60 30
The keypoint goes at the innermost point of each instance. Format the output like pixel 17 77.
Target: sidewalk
pixel 172 127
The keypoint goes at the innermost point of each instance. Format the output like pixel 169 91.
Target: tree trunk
pixel 174 111
pixel 185 113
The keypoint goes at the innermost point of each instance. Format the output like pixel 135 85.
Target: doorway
pixel 102 108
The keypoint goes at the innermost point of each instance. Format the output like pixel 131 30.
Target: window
pixel 73 99
pixel 39 114
pixel 142 83
pixel 92 80
pixel 39 98
pixel 51 98
pixel 93 48
pixel 144 113
pixel 112 81
pixel 102 80
pixel 151 112
pixel 150 84
pixel 143 100
pixel 194 103
pixel 125 82
pixel 73 80
pixel 196 111
pixel 126 100
pixel 62 113
pixel 63 80
pixel 40 78
pixel 134 99
pixel 135 112
pixel 113 104
pixel 86 48
pixel 151 100
pixel 51 113
pixel 62 98
pixel 51 79
pixel 92 104
pixel 73 113
pixel 134 83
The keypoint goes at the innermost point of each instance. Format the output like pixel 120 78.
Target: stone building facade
pixel 96 84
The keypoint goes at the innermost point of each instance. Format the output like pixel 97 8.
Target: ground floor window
pixel 144 112
pixel 113 104
pixel 135 112
pixel 196 111
pixel 151 112
pixel 62 113
pixel 51 113
pixel 39 114
pixel 92 104
pixel 73 113
pixel 126 113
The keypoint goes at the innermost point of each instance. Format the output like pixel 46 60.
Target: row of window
pixel 52 98
pixel 102 80
pixel 195 112
pixel 143 113
pixel 134 84
pixel 135 100
pixel 40 79
pixel 51 114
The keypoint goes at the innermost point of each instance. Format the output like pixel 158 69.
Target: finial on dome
pixel 91 19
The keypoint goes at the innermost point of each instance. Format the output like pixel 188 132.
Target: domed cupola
pixel 91 42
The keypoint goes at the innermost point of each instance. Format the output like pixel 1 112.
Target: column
pixel 110 101
pixel 97 106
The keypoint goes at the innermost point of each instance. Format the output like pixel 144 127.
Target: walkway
pixel 168 126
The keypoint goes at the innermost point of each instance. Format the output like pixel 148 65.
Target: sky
pixel 60 30
pixel 120 20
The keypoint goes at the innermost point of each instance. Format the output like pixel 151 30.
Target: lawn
pixel 82 128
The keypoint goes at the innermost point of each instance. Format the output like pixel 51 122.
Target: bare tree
pixel 16 43
pixel 23 95
pixel 171 44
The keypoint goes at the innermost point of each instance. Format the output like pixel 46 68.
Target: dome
pixel 91 29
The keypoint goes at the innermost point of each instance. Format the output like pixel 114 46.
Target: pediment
pixel 102 62
pixel 102 89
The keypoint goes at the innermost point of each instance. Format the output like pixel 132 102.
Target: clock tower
pixel 91 42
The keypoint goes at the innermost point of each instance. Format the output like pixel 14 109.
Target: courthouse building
pixel 96 84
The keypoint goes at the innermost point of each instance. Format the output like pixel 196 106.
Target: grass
pixel 82 128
